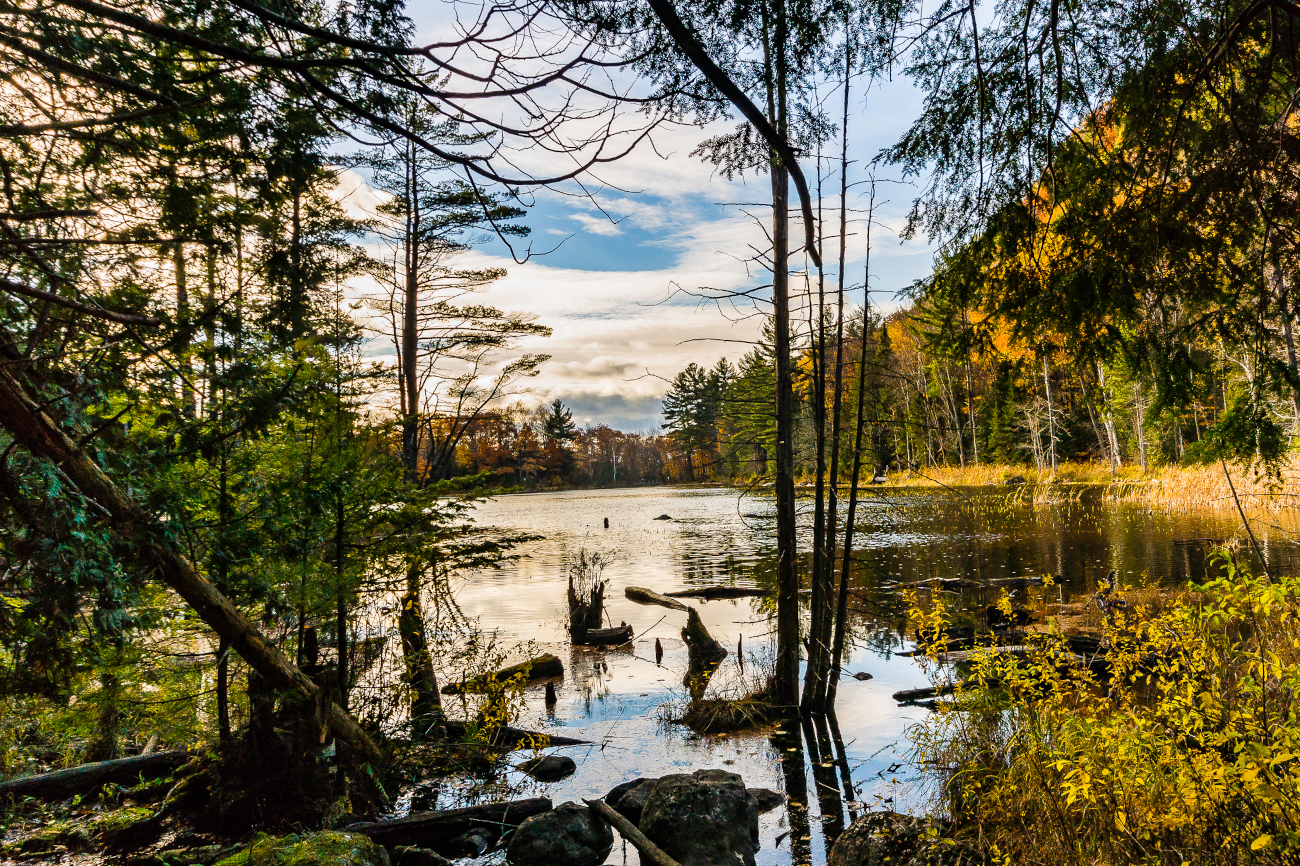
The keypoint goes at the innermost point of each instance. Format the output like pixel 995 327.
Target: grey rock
pixel 766 799
pixel 549 768
pixel 568 835
pixel 880 838
pixel 632 803
pixel 862 676
pixel 704 819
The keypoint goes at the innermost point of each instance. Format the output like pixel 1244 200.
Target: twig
pixel 1250 532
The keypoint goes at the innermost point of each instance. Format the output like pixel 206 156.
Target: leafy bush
pixel 1182 746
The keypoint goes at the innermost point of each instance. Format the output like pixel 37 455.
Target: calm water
pixel 620 700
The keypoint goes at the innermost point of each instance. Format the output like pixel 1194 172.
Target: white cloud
pixel 597 225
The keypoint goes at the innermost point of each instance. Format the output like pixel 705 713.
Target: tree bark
pixel 29 425
pixel 426 704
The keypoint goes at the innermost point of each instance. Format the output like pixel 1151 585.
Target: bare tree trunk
pixel 785 682
pixel 818 631
pixel 1108 419
pixel 846 556
pixel 1051 413
pixel 1140 423
pixel 1284 308
pixel 29 425
pixel 426 702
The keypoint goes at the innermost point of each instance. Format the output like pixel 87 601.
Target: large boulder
pixel 890 839
pixel 568 835
pixel 319 849
pixel 704 819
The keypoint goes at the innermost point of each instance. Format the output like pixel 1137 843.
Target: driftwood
pixel 87 777
pixel 30 425
pixel 971 583
pixel 641 595
pixel 907 695
pixel 510 738
pixel 710 593
pixel 441 831
pixel 616 636
pixel 650 852
pixel 543 666
pixel 704 654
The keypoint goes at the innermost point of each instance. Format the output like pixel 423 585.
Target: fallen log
pixel 29 424
pixel 616 636
pixel 641 595
pixel 77 780
pixel 649 851
pixel 711 593
pixel 540 668
pixel 909 695
pixel 442 831
pixel 511 738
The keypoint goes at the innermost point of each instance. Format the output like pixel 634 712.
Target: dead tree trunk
pixel 585 612
pixel 29 425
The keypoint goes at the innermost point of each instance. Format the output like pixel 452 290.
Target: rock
pixel 632 803
pixel 862 676
pixel 1015 481
pixel 616 793
pixel 704 819
pixel 766 799
pixel 880 838
pixel 569 835
pixel 331 848
pixel 663 517
pixel 549 768
pixel 409 855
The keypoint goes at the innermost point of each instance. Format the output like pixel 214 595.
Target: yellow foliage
pixel 1183 747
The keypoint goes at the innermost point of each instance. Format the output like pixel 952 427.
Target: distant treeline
pixel 924 407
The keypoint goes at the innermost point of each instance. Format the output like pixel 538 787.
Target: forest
pixel 264 599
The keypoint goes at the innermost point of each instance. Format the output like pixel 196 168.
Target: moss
pixel 320 849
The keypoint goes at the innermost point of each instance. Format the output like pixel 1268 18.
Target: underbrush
pixel 1180 743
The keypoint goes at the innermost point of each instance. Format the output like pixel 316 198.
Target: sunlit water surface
pixel 621 700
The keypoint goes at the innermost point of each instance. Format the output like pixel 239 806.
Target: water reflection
pixel 832 769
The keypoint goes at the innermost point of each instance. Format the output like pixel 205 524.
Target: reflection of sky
pixel 619 699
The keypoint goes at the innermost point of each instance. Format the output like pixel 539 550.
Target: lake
pixel 622 701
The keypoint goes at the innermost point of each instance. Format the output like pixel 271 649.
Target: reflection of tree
pixel 788 744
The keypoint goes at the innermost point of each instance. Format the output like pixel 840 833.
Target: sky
pixel 625 291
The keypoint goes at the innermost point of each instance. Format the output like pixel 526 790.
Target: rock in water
pixel 550 695
pixel 766 799
pixel 319 849
pixel 878 838
pixel 570 835
pixel 659 652
pixel 616 794
pixel 703 819
pixel 632 804
pixel 549 768
pixel 1015 481
pixel 663 517
pixel 862 676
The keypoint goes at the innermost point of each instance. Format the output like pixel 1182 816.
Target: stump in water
pixel 585 606
pixel 705 654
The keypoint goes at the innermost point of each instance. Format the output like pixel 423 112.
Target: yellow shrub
pixel 1183 747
